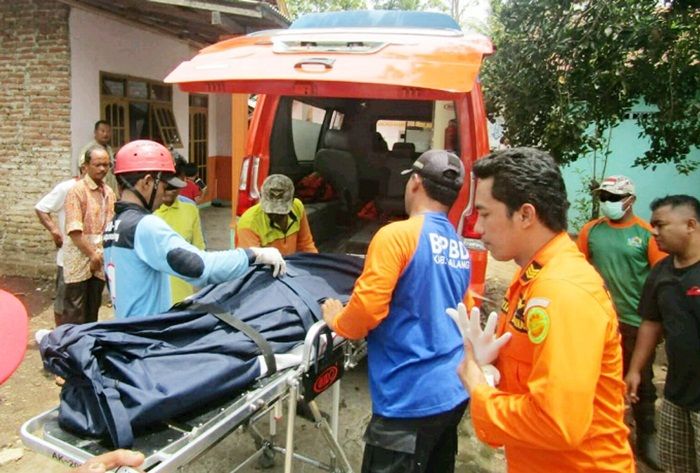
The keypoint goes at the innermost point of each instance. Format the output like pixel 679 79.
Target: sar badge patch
pixel 537 320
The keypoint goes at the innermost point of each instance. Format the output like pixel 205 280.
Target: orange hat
pixel 13 334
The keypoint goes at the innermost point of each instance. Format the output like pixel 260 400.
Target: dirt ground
pixel 31 391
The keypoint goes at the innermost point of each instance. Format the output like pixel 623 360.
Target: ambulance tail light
pixel 248 190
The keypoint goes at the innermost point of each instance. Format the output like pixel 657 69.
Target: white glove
pixel 493 376
pixel 271 256
pixel 483 342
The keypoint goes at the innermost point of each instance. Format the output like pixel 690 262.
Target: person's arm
pixel 110 460
pixel 51 203
pixel 647 338
pixel 48 223
pixel 88 250
pixel 649 333
pixel 165 250
pixel 565 370
pixel 196 193
pixel 388 254
pixel 74 229
pixel 203 191
pixel 305 240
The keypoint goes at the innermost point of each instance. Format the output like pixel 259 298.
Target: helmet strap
pixel 156 182
pixel 148 205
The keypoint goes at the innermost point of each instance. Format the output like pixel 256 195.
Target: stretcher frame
pixel 167 449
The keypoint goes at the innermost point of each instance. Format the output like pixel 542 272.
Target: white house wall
pixel 101 43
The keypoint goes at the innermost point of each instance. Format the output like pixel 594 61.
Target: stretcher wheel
pixel 267 459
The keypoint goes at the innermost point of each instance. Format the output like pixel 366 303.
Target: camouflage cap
pixel 277 194
pixel 619 185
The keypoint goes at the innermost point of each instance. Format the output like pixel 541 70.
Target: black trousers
pixel 643 410
pixel 418 445
pixel 82 301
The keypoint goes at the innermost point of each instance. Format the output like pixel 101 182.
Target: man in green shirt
pixel 621 247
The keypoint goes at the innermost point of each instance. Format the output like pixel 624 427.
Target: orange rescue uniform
pixel 559 406
pixel 255 229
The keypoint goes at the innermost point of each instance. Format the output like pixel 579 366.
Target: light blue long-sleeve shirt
pixel 141 250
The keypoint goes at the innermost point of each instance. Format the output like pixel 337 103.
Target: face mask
pixel 613 210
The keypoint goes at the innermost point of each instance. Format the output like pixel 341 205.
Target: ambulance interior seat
pixel 337 166
pixel 335 162
pixel 370 165
pixel 390 200
pixel 404 149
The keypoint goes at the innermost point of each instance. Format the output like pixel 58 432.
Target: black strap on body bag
pixel 230 319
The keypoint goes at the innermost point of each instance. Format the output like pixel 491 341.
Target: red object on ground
pixel 13 334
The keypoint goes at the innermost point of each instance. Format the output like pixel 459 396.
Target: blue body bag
pixel 124 375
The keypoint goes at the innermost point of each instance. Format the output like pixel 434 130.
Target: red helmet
pixel 143 155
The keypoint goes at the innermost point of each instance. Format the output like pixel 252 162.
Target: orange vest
pixel 559 406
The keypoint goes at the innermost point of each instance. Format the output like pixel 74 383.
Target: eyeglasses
pixel 607 197
pixel 170 187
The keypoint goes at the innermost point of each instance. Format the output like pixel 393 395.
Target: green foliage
pixel 672 59
pixel 583 205
pixel 566 72
pixel 408 4
pixel 301 7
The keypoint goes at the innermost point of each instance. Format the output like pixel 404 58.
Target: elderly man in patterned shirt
pixel 89 206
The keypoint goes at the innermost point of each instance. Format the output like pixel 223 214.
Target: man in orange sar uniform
pixel 559 405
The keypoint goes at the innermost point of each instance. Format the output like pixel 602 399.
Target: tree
pixel 566 72
pixel 301 7
pixel 459 10
pixel 672 58
pixel 408 4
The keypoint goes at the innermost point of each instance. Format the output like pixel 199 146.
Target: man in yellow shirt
pixel 183 217
pixel 279 220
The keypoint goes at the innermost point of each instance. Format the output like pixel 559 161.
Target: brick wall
pixel 34 127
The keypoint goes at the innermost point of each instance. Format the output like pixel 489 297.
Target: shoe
pixel 648 451
pixel 39 334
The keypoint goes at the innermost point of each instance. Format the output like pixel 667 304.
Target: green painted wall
pixel 626 145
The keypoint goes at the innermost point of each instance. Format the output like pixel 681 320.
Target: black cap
pixel 441 167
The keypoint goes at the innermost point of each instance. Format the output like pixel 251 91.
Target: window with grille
pixel 199 132
pixel 138 109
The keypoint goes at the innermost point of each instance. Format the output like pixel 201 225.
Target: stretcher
pixel 323 358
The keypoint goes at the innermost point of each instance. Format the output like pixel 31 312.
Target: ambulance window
pixel 307 121
pixel 419 133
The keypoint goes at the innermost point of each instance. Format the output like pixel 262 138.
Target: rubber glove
pixel 484 343
pixel 271 256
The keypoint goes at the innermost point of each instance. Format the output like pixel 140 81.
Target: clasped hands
pixel 481 347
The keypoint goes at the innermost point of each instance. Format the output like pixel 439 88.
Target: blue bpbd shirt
pixel 141 250
pixel 414 270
